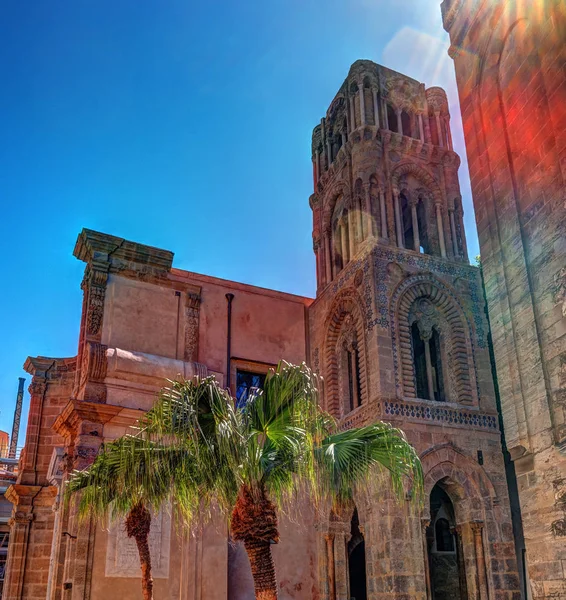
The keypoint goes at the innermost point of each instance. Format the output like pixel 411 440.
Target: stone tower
pixel 510 61
pixel 398 331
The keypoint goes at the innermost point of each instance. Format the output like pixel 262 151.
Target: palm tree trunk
pixel 254 522
pixel 138 523
pixel 263 569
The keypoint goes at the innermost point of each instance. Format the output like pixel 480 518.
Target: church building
pixel 398 331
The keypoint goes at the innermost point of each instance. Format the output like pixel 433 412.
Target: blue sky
pixel 183 125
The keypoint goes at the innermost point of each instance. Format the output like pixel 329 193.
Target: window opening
pixel 247 384
pixel 419 362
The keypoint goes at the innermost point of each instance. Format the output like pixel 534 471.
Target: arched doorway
pixel 446 565
pixel 357 560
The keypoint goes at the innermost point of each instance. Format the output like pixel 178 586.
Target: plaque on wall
pixel 122 557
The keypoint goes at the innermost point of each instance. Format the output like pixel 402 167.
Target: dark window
pixel 436 363
pixel 406 123
pixel 350 379
pixel 247 382
pixel 407 218
pixel 423 230
pixel 419 361
pixel 391 118
pixel 357 560
pixel 444 539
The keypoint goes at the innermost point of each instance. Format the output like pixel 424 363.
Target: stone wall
pixel 509 60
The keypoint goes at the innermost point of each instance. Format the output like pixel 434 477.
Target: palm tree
pixel 252 461
pixel 125 481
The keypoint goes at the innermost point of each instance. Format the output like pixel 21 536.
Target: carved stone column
pixel 477 529
pixel 416 237
pixel 369 213
pixel 362 103
pixel 351 234
pixel 21 497
pixel 341 566
pixel 398 227
pixel 425 524
pixel 453 232
pixel 440 227
pixel 352 113
pixel 399 122
pixel 375 108
pixel 439 128
pixel 383 214
pixel 192 318
pixel 327 256
pixel 343 242
pixel 329 539
pixel 448 132
pixel 457 533
pixel 421 128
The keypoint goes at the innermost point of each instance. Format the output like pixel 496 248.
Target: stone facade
pixel 397 329
pixel 510 61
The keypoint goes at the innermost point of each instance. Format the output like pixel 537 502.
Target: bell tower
pixel 399 334
pixel 384 172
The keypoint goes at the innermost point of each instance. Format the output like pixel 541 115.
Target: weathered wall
pixel 509 59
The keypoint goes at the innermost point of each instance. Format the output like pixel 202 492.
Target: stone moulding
pixel 448 416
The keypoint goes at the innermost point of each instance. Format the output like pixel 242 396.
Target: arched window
pixel 392 119
pixel 406 123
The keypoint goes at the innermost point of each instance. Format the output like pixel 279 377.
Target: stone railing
pixel 439 414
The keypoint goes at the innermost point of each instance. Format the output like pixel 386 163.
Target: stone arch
pixel 340 188
pixel 461 363
pixel 347 304
pixel 420 173
pixel 464 480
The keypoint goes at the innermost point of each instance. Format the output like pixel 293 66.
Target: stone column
pixel 399 122
pixel 457 533
pixel 359 224
pixel 439 128
pixel 351 235
pixel 440 226
pixel 317 165
pixel 453 232
pixel 369 212
pixel 362 103
pixel 416 237
pixel 21 497
pixel 426 123
pixel 375 108
pixel 383 214
pixel 477 528
pixel 329 538
pixel 328 256
pixel 428 361
pixel 384 113
pixel 425 524
pixel 329 151
pixel 341 566
pixel 343 243
pixel 448 132
pixel 421 129
pixel 352 113
pixel 398 227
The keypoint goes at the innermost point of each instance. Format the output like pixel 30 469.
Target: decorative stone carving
pixel 192 312
pixel 122 558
